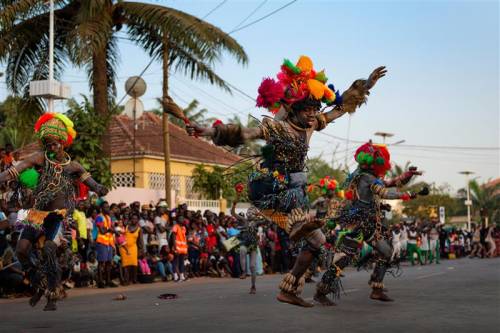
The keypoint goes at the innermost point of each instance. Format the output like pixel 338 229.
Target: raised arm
pixel 356 95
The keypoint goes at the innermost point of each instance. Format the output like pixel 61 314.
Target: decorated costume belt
pixel 36 218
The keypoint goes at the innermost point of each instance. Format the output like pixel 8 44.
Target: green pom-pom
pixel 369 159
pixel 29 178
pixel 321 77
pixel 360 158
pixel 287 63
pixel 379 161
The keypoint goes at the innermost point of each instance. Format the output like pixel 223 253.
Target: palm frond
pixel 183 61
pixel 182 28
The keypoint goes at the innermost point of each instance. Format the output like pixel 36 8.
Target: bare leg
pixel 253 270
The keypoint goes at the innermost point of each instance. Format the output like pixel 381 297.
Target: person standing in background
pixel 180 248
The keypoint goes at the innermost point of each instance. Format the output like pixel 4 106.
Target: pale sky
pixel 442 86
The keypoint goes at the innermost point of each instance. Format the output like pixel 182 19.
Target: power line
pixel 153 58
pixel 263 17
pixel 251 14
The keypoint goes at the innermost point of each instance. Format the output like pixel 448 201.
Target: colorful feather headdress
pixel 295 83
pixel 374 157
pixel 56 126
pixel 326 184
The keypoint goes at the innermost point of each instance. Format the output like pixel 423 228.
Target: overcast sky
pixel 442 86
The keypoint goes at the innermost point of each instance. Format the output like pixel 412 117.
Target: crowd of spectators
pixel 114 244
pixel 428 241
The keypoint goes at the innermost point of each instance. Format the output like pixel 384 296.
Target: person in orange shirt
pixel 105 243
pixel 179 247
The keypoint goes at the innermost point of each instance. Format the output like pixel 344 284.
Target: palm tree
pixel 191 112
pixel 86 35
pixel 486 199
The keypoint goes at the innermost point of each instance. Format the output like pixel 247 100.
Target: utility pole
pixel 468 202
pixel 50 89
pixel 166 138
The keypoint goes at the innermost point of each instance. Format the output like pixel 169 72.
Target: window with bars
pixel 124 179
pixel 157 181
pixel 189 183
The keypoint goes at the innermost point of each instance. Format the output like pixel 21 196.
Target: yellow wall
pixel 146 165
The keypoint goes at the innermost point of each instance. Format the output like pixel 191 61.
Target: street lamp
pixel 468 202
pixel 384 135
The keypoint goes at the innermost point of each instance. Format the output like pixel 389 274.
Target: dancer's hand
pixel 414 172
pixel 378 73
pixel 102 190
pixel 195 130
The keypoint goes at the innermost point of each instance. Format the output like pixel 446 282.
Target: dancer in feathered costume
pixel 52 176
pixel 277 187
pixel 363 217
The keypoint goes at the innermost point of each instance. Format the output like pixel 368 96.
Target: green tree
pixel 212 183
pixel 423 206
pixel 486 200
pixel 86 34
pixel 86 149
pixel 17 117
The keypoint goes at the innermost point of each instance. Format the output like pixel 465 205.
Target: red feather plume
pixel 42 120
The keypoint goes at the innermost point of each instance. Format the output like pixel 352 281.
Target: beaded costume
pixel 362 216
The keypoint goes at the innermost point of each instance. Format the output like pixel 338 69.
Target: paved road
pixel 456 296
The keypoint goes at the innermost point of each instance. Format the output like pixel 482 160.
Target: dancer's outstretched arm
pixel 402 179
pixel 356 95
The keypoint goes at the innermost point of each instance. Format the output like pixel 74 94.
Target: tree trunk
pixel 166 138
pixel 100 91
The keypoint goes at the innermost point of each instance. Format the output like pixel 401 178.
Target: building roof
pixel 149 141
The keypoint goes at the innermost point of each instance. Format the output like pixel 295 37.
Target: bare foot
pixel 323 300
pixel 293 299
pixel 253 291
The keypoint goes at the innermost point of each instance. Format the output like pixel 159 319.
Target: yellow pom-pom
pixel 67 122
pixel 341 194
pixel 316 88
pixel 276 173
pixel 305 64
pixel 71 132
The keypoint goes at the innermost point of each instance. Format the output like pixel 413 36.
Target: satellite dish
pixel 134 103
pixel 135 86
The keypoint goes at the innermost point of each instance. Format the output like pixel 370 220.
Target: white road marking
pixel 429 275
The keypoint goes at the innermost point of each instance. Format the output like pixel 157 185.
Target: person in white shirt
pixel 434 244
pixel 396 242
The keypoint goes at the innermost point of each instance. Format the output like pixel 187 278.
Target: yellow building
pixel 146 182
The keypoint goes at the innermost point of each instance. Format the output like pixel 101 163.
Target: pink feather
pixel 270 92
